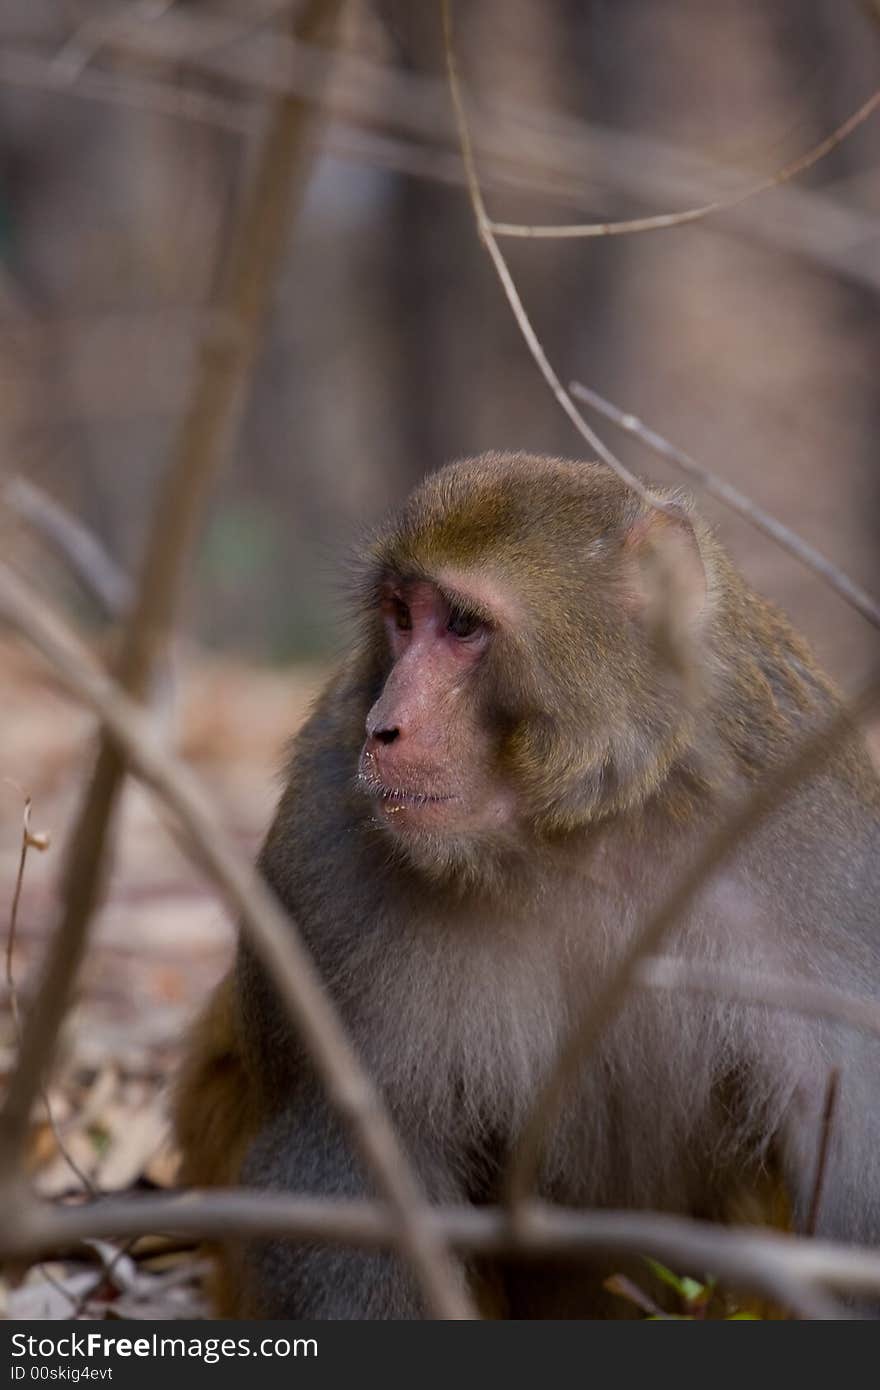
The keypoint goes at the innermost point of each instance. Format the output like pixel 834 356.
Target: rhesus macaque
pixel 500 782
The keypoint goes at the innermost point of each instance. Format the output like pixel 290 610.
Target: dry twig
pixel 39 841
pixel 663 221
pixel 796 995
pixel 487 229
pixel 828 1112
pixel 90 562
pixel 738 502
pixel 28 841
pixel 484 229
pixel 789 1270
pixel 523 149
pixel 89 38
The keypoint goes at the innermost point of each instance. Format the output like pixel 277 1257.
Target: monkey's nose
pixel 390 735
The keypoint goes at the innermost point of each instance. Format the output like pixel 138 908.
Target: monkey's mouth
pixel 394 798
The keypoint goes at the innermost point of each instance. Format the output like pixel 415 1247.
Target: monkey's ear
pixel 665 578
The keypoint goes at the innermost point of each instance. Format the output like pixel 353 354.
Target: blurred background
pixel 127 138
pixel 751 339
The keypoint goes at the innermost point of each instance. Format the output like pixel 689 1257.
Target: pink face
pixel 426 761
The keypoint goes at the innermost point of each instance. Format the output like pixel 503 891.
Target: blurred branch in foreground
pixel 226 357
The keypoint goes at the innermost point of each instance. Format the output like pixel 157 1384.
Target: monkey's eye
pixel 462 624
pixel 400 614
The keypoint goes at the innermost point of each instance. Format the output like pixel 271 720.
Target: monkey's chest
pixel 461 1048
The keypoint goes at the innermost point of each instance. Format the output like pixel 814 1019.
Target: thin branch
pixel 91 36
pixel 39 841
pixel 108 1268
pixel 28 841
pixel 828 1113
pixel 196 34
pixel 798 996
pixel 274 935
pixel 34 71
pixel 528 150
pixel 93 566
pixel 223 370
pixel 807 759
pixel 789 1270
pixel 663 221
pixel 762 520
pixel 484 230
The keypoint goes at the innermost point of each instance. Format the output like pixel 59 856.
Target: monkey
pixel 504 777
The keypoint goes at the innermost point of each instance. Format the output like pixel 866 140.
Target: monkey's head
pixel 518 688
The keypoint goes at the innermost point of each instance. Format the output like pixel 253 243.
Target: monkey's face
pixel 519 690
pixel 427 761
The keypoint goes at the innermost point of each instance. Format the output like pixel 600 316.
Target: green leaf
pixel 665 1275
pixel 692 1291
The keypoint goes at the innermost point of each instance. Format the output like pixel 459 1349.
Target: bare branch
pixel 484 229
pixel 30 70
pixel 531 151
pixel 95 569
pixel 761 990
pixel 807 759
pixel 544 143
pixel 663 221
pixel 828 1112
pixel 90 37
pixel 273 933
pixel 789 1270
pixel 223 370
pixel 731 496
pixel 30 840
pixel 39 841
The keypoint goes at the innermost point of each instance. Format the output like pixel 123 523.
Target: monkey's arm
pixel 215 1118
pixel 304 1149
pixel 213 1109
pixel 225 1140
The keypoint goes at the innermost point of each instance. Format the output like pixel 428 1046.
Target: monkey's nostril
pixel 386 735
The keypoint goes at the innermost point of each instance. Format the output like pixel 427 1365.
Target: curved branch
pixel 664 220
pixel 763 521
